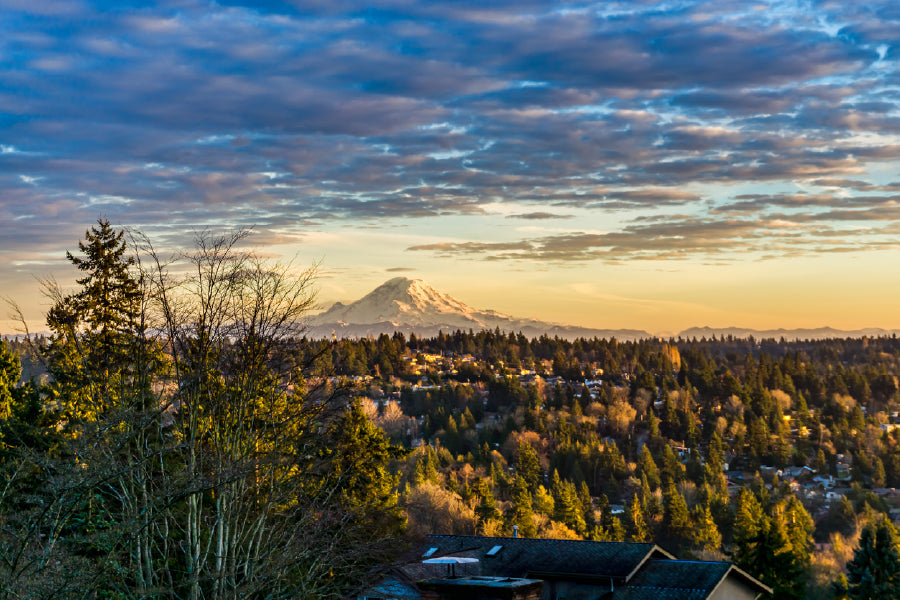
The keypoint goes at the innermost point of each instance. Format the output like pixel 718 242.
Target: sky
pixel 637 164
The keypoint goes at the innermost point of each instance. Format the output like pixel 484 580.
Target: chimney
pixel 515 531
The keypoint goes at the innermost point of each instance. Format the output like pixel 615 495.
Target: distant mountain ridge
pixel 819 333
pixel 411 305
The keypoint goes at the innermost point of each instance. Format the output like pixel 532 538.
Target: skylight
pixel 494 551
pixel 430 551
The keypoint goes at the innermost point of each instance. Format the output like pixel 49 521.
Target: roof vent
pixel 430 551
pixel 494 551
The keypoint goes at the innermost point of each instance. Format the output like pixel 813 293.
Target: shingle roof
pixel 681 574
pixel 528 557
pixel 680 580
pixel 647 593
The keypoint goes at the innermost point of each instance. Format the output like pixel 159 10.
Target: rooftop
pixel 530 557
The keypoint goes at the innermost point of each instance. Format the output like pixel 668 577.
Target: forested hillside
pixel 182 438
pixel 773 454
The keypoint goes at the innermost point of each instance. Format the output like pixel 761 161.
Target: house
pixel 826 482
pixel 797 472
pixel 445 567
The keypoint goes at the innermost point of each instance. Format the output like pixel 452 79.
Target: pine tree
pixel 705 534
pixel 748 531
pixel 587 503
pixel 520 513
pixel 774 548
pixel 487 507
pixel 609 528
pixel 91 349
pixel 715 454
pixel 650 504
pixel 359 457
pixel 800 528
pixel 672 471
pixel 647 467
pixel 676 519
pixel 567 507
pixel 874 571
pixel 543 501
pixel 430 464
pixel 638 531
pixel 10 371
pixel 781 565
pixel 655 439
pixel 528 465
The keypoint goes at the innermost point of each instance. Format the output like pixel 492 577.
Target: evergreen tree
pixel 359 457
pixel 800 528
pixel 91 349
pixel 646 467
pixel 649 502
pixel 676 519
pixel 874 571
pixel 705 534
pixel 774 548
pixel 487 507
pixel 587 503
pixel 10 371
pixel 521 513
pixel 655 439
pixel 784 564
pixel 528 465
pixel 638 531
pixel 429 464
pixel 715 454
pixel 748 531
pixel 609 528
pixel 543 501
pixel 672 470
pixel 568 508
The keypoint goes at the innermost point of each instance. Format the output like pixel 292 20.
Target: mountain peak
pixel 398 283
pixel 404 304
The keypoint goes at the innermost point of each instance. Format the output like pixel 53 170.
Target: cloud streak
pixel 289 116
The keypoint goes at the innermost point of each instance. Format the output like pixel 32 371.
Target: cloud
pixel 683 237
pixel 539 216
pixel 290 115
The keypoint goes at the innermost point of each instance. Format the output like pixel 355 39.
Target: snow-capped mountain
pixel 411 305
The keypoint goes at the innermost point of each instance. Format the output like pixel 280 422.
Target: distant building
pixel 448 567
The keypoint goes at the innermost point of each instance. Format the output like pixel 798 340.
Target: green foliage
pixel 543 501
pixel 705 533
pixel 676 518
pixel 638 530
pixel 773 544
pixel 874 571
pixel 358 459
pixel 568 508
pixel 96 328
pixel 528 465
pixel 197 419
pixel 646 467
pixel 198 464
pixel 10 371
pixel 486 509
pixel 520 513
